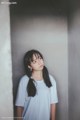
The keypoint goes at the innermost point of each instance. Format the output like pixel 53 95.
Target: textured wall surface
pixel 74 65
pixel 48 34
pixel 6 98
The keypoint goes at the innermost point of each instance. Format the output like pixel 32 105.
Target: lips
pixel 41 65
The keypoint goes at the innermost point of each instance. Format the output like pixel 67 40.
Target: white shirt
pixel 37 107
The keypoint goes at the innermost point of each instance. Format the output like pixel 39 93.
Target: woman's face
pixel 37 64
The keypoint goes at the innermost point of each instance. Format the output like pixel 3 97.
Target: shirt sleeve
pixel 53 91
pixel 21 93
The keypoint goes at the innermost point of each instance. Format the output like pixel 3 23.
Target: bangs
pixel 37 55
pixel 28 58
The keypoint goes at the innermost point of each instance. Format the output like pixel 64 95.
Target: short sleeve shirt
pixel 37 107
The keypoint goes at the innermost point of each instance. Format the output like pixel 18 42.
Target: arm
pixel 20 98
pixel 19 111
pixel 53 111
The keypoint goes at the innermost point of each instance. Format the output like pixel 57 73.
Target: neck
pixel 37 75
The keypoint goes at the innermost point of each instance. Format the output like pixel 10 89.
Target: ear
pixel 30 67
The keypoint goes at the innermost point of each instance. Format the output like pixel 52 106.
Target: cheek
pixel 34 66
pixel 42 62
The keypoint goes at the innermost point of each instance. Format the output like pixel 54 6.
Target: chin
pixel 41 68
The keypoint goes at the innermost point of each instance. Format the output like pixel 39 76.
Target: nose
pixel 39 61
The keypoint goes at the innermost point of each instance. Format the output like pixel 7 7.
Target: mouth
pixel 41 65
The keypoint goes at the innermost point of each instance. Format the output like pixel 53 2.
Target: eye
pixel 39 57
pixel 34 61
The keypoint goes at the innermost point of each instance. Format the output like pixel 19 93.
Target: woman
pixel 37 93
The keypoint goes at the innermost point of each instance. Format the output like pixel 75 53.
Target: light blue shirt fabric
pixel 37 107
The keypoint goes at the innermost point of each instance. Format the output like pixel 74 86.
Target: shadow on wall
pixel 43 27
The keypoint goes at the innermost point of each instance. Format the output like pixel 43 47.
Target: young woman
pixel 37 93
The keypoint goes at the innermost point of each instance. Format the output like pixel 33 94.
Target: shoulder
pixel 52 79
pixel 24 79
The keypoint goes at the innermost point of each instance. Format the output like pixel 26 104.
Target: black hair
pixel 28 58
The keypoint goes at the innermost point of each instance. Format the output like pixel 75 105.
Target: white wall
pixel 49 35
pixel 6 98
pixel 74 66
